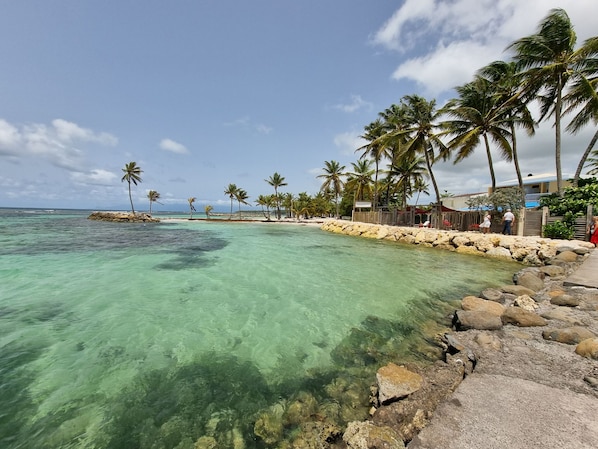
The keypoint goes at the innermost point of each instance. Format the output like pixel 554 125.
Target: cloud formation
pixel 173 147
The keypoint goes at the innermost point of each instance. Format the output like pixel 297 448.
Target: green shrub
pixel 558 230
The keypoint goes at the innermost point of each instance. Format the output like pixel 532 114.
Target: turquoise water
pixel 160 335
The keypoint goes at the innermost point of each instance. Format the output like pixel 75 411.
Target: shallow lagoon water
pixel 152 336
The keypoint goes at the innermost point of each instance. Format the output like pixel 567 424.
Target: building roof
pixel 532 179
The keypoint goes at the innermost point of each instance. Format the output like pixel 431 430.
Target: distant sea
pixel 155 335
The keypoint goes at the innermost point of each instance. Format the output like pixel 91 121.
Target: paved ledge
pixel 587 274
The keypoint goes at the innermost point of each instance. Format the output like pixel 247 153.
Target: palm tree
pixel 409 168
pixel 132 174
pixel 241 197
pixel 191 206
pixel 593 163
pixel 374 149
pixel 420 186
pixel 359 181
pixel 276 181
pixel 266 201
pixel 506 81
pixel 153 196
pixel 477 116
pixel 332 176
pixel 208 210
pixel 550 62
pixel 231 191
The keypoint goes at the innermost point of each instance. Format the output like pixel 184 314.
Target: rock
pixel 569 335
pixel 488 341
pixel 482 305
pixel 471 319
pixel 367 435
pixel 565 256
pixel 521 317
pixel 453 344
pixel 552 270
pixel 517 290
pixel 588 348
pixel 565 300
pixel 525 302
pixel 492 294
pixel 122 217
pixel 562 314
pixel 530 281
pixel 500 253
pixel 396 382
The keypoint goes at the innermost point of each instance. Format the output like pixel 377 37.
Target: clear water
pixel 153 336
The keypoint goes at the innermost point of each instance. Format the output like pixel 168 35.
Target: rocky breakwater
pixel 528 250
pixel 537 329
pixel 123 217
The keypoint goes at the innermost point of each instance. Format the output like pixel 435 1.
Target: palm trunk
pixel 516 163
pixel 582 162
pixel 557 126
pixel 439 206
pixel 490 164
pixel 131 199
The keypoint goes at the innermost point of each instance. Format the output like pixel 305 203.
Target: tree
pixel 231 191
pixel 266 201
pixel 132 173
pixel 276 181
pixel 476 116
pixel 191 206
pixel 420 186
pixel 241 197
pixel 333 173
pixel 409 168
pixel 376 149
pixel 549 61
pixel 153 197
pixel 359 181
pixel 208 210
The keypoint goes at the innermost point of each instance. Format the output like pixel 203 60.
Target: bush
pixel 558 230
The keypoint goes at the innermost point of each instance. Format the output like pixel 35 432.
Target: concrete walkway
pixel 587 274
pixel 497 411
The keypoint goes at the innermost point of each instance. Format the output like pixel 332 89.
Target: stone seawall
pixel 528 250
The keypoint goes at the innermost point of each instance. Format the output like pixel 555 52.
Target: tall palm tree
pixel 420 186
pixel 506 81
pixel 132 174
pixel 208 210
pixel 191 206
pixel 374 149
pixel 359 181
pixel 153 197
pixel 276 181
pixel 333 173
pixel 476 116
pixel 266 201
pixel 241 197
pixel 550 61
pixel 231 191
pixel 409 169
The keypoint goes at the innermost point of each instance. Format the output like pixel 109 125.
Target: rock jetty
pixel 528 250
pixel 123 217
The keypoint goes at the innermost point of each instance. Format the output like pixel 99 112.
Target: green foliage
pixel 501 199
pixel 575 200
pixel 559 230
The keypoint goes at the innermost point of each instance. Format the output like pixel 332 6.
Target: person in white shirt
pixel 508 219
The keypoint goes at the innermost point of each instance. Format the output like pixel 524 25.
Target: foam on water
pixel 130 335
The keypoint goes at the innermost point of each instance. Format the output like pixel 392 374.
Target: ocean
pixel 206 333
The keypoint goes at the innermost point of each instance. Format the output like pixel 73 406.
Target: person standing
pixel 486 223
pixel 508 219
pixel 593 231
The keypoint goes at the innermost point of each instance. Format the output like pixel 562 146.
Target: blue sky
pixel 206 93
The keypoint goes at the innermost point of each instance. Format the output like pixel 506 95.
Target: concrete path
pixel 587 274
pixel 499 412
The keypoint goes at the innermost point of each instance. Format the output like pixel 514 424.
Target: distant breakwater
pixel 528 250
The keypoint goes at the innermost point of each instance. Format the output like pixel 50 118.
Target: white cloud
pixel 356 103
pixel 263 129
pixel 348 142
pixel 173 147
pixel 71 132
pixel 96 177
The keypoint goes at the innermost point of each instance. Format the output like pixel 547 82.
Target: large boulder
pixel 492 294
pixel 482 305
pixel 588 348
pixel 472 319
pixel 521 317
pixel 569 335
pixel 565 300
pixel 396 382
pixel 517 290
pixel 367 435
pixel 531 281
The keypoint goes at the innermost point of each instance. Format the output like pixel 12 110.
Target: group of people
pixel 508 220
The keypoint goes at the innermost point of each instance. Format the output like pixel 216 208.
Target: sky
pixel 204 93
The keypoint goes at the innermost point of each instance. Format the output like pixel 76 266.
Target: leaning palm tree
pixel 231 191
pixel 333 173
pixel 132 173
pixel 476 116
pixel 241 197
pixel 208 210
pixel 550 61
pixel 153 197
pixel 266 201
pixel 191 206
pixel 276 181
